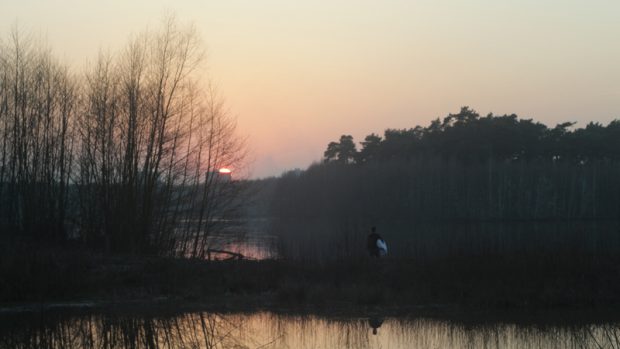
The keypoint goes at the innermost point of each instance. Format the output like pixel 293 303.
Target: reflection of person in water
pixel 375 244
pixel 375 322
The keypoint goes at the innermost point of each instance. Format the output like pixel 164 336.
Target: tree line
pixel 467 137
pixel 123 156
pixel 464 169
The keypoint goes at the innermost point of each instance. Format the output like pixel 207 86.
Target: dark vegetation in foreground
pixel 541 282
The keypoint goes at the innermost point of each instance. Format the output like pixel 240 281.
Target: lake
pixel 114 328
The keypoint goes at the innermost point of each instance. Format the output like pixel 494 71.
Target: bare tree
pixel 150 137
pixel 126 157
pixel 37 107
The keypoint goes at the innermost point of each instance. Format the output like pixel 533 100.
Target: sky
pixel 297 75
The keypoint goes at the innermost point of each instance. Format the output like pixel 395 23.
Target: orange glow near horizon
pixel 225 170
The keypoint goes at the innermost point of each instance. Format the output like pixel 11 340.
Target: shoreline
pixel 449 313
pixel 488 284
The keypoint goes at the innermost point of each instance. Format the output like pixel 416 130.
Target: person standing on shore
pixel 375 244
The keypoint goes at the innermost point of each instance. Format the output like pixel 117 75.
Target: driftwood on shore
pixel 232 255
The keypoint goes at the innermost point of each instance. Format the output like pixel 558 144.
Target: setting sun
pixel 225 170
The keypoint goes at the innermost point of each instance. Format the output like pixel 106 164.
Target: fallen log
pixel 232 255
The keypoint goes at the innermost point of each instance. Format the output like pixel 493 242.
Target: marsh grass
pixel 490 281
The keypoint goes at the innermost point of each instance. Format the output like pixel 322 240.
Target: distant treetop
pixel 468 137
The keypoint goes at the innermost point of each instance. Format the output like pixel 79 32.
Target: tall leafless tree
pixel 37 107
pixel 125 157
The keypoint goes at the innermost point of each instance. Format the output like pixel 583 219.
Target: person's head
pixel 373 229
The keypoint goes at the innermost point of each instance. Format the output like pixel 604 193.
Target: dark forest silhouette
pixel 462 169
pixel 466 168
pixel 469 138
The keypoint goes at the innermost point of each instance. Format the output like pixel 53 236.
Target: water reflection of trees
pixel 199 330
pixel 267 330
pixel 602 336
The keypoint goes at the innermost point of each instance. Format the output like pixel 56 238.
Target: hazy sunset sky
pixel 298 75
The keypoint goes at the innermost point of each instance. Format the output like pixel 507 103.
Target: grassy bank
pixel 49 275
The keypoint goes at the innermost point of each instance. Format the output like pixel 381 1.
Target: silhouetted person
pixel 375 322
pixel 375 244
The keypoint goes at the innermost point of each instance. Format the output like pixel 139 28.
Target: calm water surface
pixel 267 330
